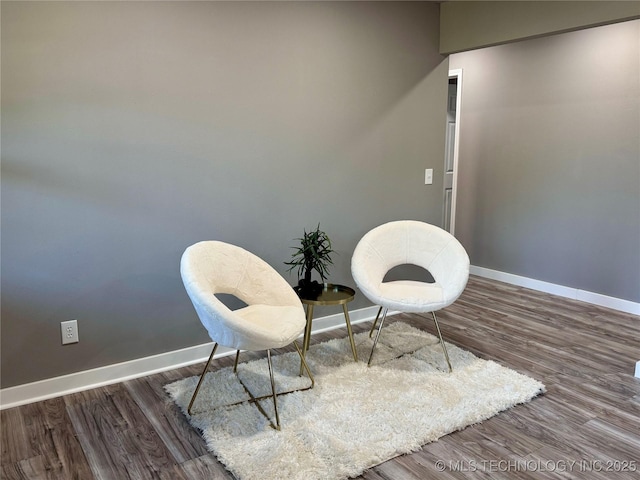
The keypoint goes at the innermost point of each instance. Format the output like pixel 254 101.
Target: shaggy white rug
pixel 356 416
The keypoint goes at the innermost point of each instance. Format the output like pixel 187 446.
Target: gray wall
pixel 549 174
pixel 469 25
pixel 131 130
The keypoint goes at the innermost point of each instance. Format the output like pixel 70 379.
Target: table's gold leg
pixel 353 344
pixel 307 330
pixel 307 334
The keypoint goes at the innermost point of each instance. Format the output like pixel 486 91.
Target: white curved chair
pixel 410 242
pixel 273 318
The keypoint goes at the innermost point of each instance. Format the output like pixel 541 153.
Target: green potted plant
pixel 314 253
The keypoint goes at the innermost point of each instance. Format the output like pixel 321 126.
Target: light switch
pixel 428 176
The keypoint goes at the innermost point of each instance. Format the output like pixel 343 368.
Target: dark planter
pixel 309 288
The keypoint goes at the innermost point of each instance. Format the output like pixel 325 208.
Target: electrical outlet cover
pixel 69 331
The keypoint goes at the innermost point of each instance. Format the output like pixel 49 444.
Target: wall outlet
pixel 69 331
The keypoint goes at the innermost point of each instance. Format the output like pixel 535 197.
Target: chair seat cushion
pixel 262 327
pixel 410 296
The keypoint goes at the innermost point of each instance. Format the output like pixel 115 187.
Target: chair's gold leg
pixel 444 348
pixel 375 342
pixel 206 367
pixel 353 344
pixel 306 367
pixel 273 390
pixel 375 322
pixel 235 364
pixel 256 400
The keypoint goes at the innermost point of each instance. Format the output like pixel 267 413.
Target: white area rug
pixel 355 417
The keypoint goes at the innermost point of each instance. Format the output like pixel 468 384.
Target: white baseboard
pixel 560 290
pixel 637 375
pixel 110 374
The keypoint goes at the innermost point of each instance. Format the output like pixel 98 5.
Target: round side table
pixel 330 295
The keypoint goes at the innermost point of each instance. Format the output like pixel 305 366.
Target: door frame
pixel 457 74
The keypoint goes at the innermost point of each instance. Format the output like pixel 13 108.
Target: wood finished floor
pixel 590 414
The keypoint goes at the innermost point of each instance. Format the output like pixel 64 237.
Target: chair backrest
pixel 411 242
pixel 212 267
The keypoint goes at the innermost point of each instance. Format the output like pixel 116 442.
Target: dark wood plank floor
pixel 587 425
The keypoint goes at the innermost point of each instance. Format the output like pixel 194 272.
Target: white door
pixel 451 149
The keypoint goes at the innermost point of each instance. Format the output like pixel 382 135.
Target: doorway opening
pixel 454 97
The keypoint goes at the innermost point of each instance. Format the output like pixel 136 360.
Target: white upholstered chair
pixel 417 243
pixel 273 318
